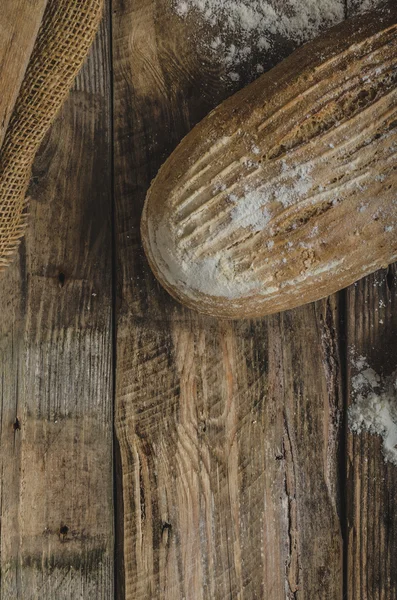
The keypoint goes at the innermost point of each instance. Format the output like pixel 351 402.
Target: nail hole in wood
pixel 166 527
pixel 165 533
pixel 61 279
pixel 16 426
pixel 64 530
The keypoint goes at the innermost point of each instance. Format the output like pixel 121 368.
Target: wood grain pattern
pixel 230 465
pixel 372 483
pixel 229 432
pixel 19 23
pixel 56 362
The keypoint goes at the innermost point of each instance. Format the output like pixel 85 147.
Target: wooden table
pixel 232 473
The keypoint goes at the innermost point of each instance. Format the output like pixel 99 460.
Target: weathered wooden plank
pixel 371 540
pixel 56 362
pixel 371 482
pixel 228 432
pixel 19 23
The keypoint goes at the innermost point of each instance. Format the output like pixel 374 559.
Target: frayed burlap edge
pixel 65 36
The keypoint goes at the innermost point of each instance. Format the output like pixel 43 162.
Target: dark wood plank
pixel 19 23
pixel 56 362
pixel 372 482
pixel 229 432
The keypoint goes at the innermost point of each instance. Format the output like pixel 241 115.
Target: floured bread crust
pixel 287 191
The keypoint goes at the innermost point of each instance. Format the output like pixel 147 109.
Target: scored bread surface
pixel 287 191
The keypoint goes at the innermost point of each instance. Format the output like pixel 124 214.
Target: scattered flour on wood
pixel 365 5
pixel 246 27
pixel 374 407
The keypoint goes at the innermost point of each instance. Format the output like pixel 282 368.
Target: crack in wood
pixel 293 566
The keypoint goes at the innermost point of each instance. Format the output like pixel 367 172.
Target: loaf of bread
pixel 287 191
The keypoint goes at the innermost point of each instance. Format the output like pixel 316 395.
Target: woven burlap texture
pixel 63 41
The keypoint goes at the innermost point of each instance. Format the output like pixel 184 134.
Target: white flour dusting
pixel 253 208
pixel 250 211
pixel 212 275
pixel 301 182
pixel 375 406
pixel 246 27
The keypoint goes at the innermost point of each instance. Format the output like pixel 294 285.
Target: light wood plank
pixel 56 362
pixel 229 432
pixel 19 23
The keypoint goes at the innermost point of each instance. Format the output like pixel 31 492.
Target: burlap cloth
pixel 64 38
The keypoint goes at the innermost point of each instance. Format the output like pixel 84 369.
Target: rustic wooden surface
pixel 234 474
pixel 56 363
pixel 19 23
